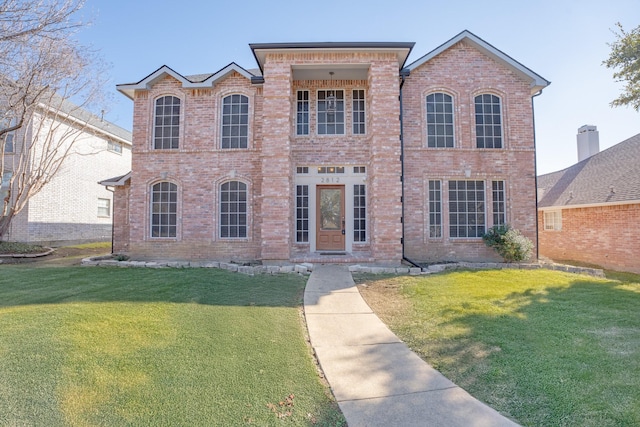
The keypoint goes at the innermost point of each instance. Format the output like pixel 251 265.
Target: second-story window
pixel 359 117
pixel 235 121
pixel 330 117
pixel 302 113
pixel 166 131
pixel 439 120
pixel 488 121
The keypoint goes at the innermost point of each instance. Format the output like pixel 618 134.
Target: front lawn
pixel 174 347
pixel 544 348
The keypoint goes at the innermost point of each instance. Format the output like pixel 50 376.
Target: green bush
pixel 510 244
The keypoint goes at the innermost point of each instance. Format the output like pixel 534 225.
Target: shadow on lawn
pixel 20 285
pixel 562 356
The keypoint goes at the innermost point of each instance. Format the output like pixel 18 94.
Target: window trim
pixel 107 207
pixel 502 204
pixel 481 228
pixel 177 211
pixel 361 124
pixel 306 114
pixel 359 206
pixel 246 212
pixel 452 124
pixel 556 223
pixel 435 209
pixel 154 126
pixel 247 125
pixel 342 111
pixel 302 214
pixel 476 125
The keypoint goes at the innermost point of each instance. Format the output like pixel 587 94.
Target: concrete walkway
pixel 375 378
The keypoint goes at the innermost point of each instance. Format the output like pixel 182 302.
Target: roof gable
pixel 611 176
pixel 537 82
pixel 191 82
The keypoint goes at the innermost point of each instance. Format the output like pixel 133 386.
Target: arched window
pixel 164 209
pixel 235 121
pixel 488 121
pixel 439 120
pixel 233 210
pixel 166 122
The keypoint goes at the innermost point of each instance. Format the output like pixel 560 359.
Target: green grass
pixel 544 348
pixel 174 347
pixel 20 248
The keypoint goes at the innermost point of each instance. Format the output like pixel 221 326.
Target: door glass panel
pixel 330 209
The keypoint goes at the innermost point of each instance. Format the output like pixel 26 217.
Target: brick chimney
pixel 588 142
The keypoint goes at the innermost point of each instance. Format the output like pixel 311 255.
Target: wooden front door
pixel 330 218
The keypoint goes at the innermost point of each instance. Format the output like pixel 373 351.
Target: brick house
pixel 72 207
pixel 331 152
pixel 590 211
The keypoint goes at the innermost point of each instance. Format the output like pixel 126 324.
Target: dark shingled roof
pixel 611 176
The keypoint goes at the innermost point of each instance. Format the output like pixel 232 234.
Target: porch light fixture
pixel 332 104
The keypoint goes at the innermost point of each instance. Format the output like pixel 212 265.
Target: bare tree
pixel 48 83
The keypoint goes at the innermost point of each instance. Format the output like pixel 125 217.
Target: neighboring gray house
pixel 72 207
pixel 590 212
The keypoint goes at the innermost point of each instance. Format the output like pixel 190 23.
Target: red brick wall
pixel 606 236
pixel 464 72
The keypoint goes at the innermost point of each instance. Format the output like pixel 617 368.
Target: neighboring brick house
pixel 331 152
pixel 73 207
pixel 590 212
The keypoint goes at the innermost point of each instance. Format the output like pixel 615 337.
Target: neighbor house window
pixel 104 208
pixel 499 205
pixel 435 209
pixel 466 209
pixel 164 209
pixel 359 213
pixel 115 147
pixel 439 120
pixel 488 121
pixel 553 220
pixel 5 193
pixel 302 213
pixel 358 112
pixel 167 123
pixel 302 115
pixel 9 137
pixel 330 122
pixel 235 121
pixel 233 210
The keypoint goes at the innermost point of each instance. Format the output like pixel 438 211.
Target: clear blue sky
pixel 565 41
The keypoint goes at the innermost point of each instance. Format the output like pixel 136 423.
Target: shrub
pixel 510 244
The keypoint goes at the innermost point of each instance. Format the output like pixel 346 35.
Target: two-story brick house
pixel 331 152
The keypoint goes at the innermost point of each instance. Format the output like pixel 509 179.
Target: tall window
pixel 358 112
pixel 466 209
pixel 302 213
pixel 359 213
pixel 302 115
pixel 235 121
pixel 5 193
pixel 553 220
pixel 499 205
pixel 9 137
pixel 167 123
pixel 488 121
pixel 439 120
pixel 233 210
pixel 164 209
pixel 435 209
pixel 330 122
pixel 104 208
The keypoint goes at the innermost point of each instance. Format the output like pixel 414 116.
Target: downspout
pixel 113 198
pixel 403 74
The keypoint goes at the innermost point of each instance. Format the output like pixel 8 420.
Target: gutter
pixel 403 74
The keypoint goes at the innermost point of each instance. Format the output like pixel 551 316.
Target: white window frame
pixel 302 112
pixel 170 123
pixel 499 203
pixel 360 234
pixel 167 209
pixel 553 220
pixel 104 209
pixel 437 124
pixel 468 216
pixel 114 147
pixel 481 140
pixel 435 209
pixel 302 213
pixel 324 124
pixel 233 210
pixel 238 122
pixel 358 114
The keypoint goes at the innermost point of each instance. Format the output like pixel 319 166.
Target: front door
pixel 330 218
